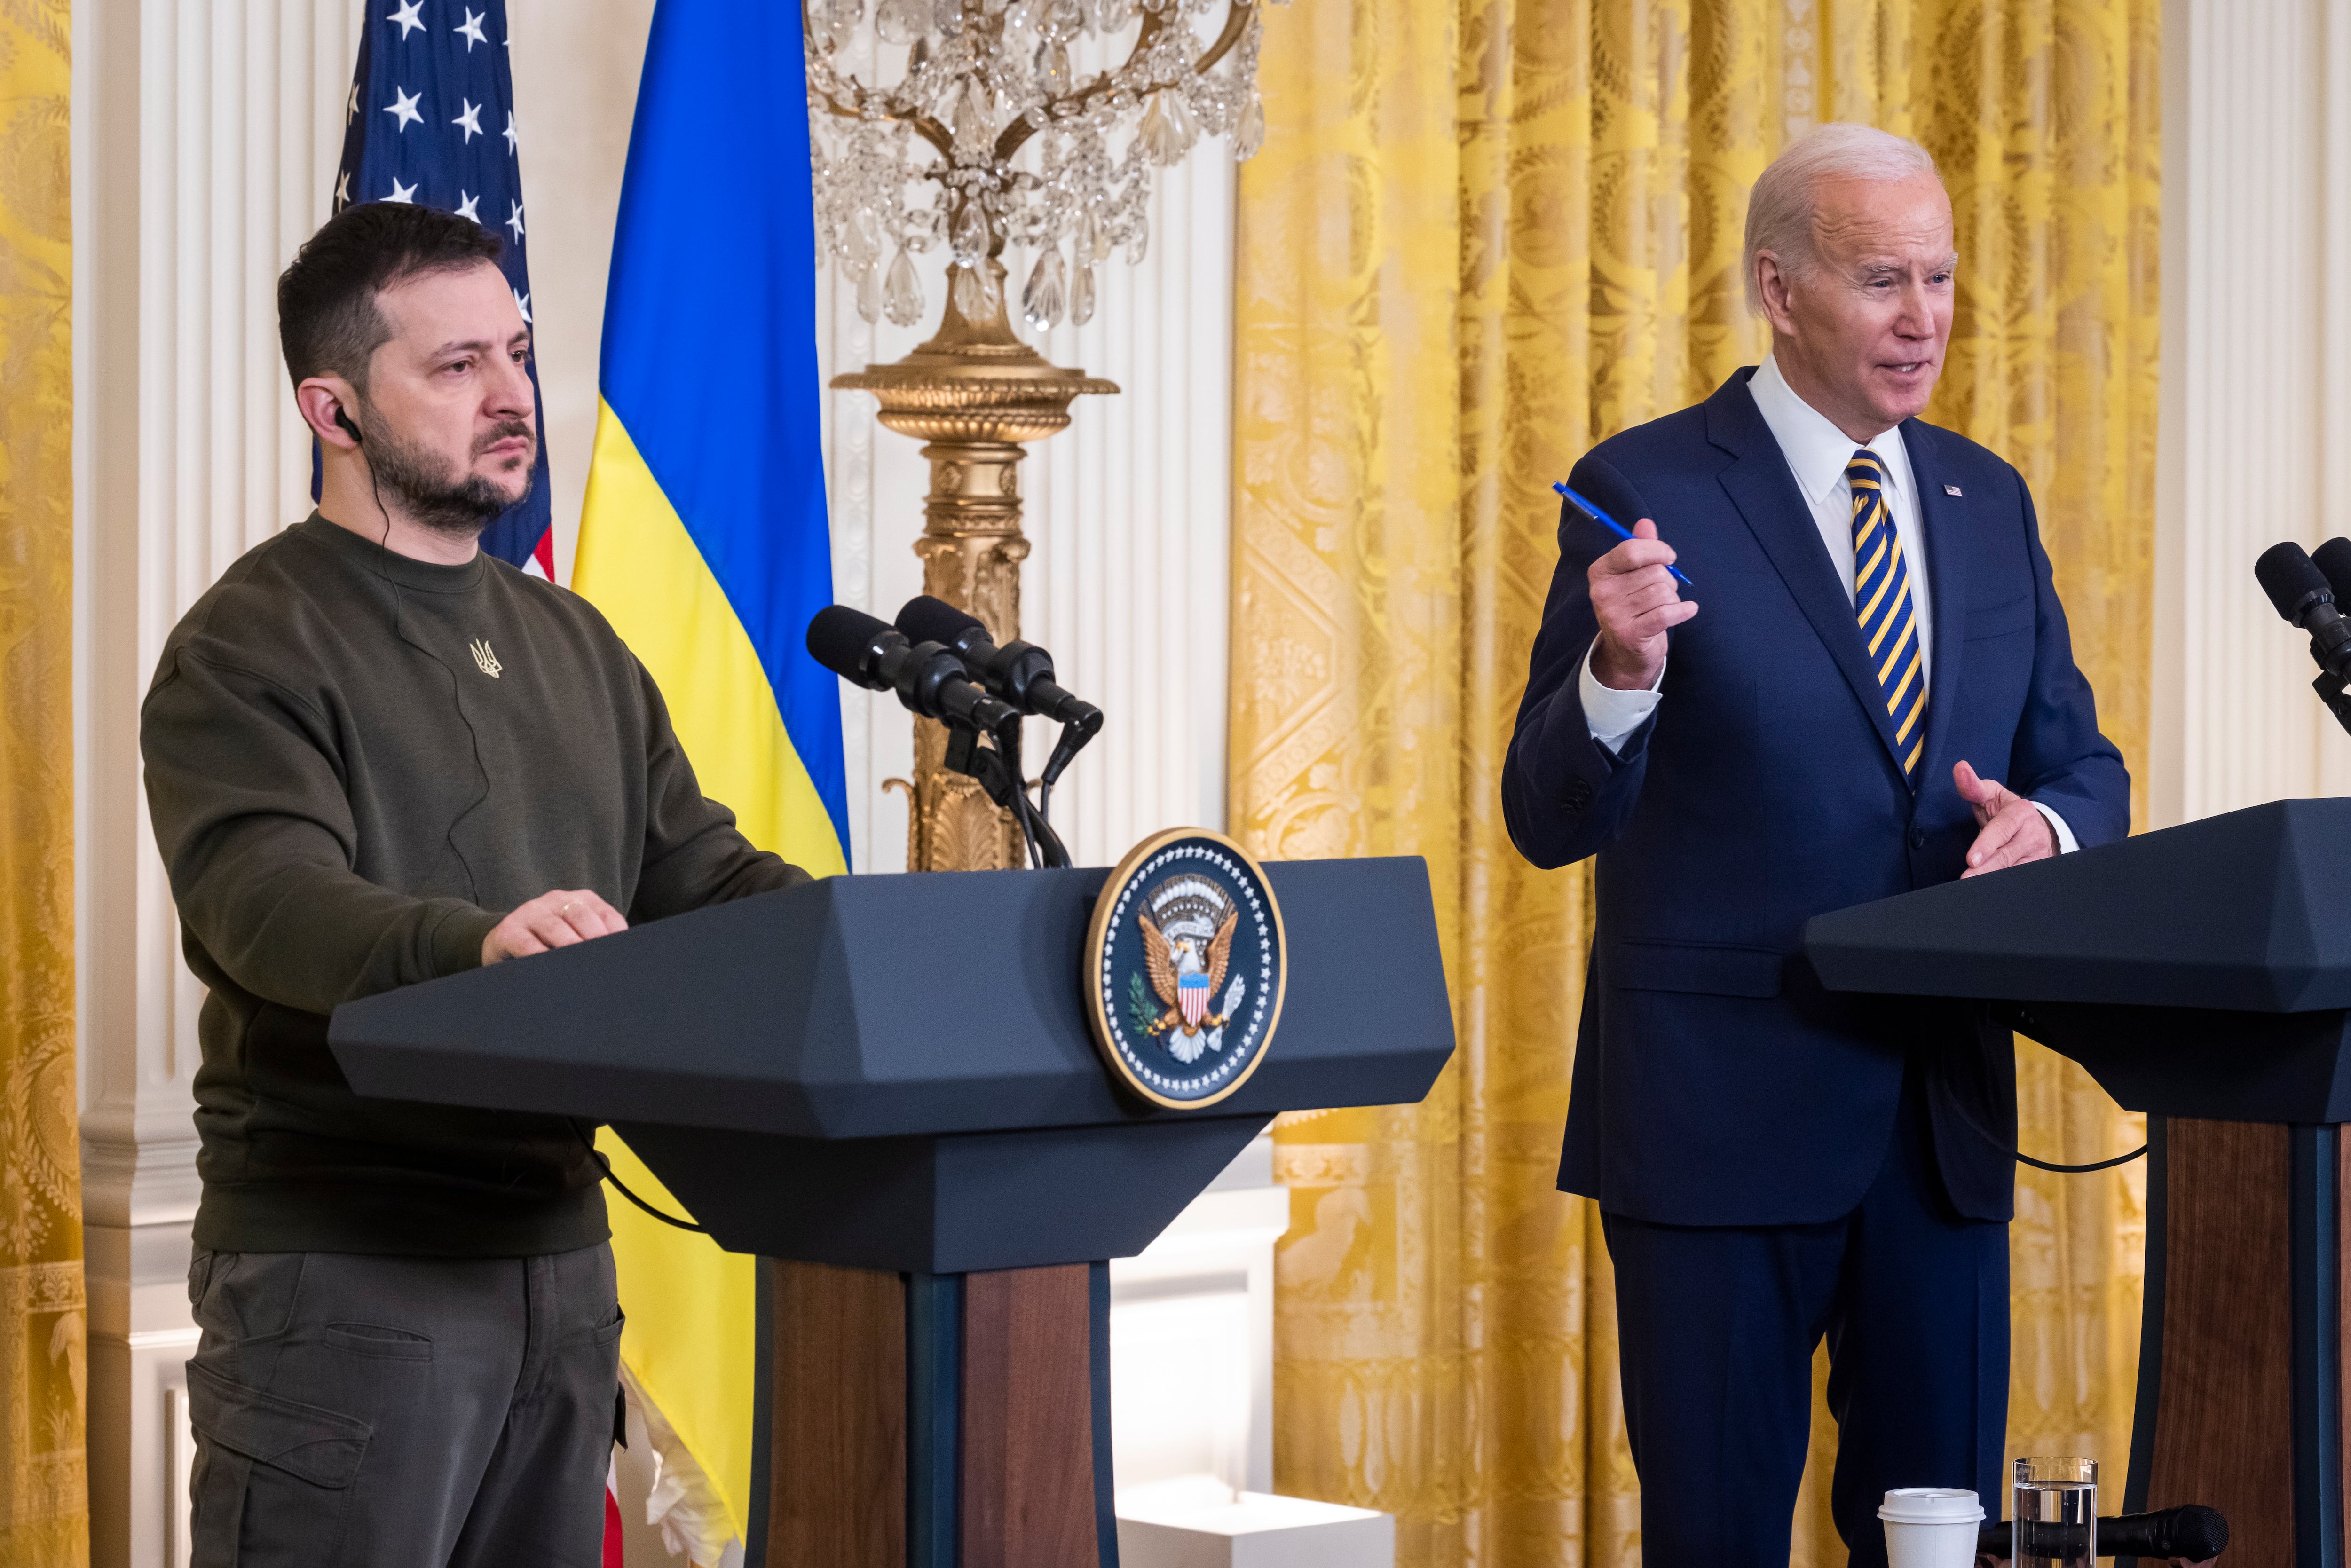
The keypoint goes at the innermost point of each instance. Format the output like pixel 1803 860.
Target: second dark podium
pixel 886 1086
pixel 2202 975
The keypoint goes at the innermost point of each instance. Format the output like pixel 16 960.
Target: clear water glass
pixel 2057 1514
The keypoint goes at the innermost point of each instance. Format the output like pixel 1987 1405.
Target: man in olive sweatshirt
pixel 377 756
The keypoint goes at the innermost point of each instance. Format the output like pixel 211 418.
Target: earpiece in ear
pixel 349 429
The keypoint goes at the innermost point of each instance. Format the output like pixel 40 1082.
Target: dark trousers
pixel 1718 1325
pixel 402 1412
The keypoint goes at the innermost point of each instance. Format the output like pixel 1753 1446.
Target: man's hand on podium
pixel 2010 829
pixel 555 919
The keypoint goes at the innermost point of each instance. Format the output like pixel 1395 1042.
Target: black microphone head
pixel 2333 559
pixel 839 638
pixel 926 619
pixel 2288 576
pixel 2198 1534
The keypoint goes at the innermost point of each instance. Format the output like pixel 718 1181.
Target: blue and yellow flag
pixel 705 540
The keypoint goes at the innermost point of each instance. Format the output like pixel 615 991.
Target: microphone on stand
pixel 2333 559
pixel 928 679
pixel 1020 673
pixel 933 683
pixel 2303 596
pixel 2306 598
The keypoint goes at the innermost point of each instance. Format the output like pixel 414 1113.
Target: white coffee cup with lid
pixel 1931 1527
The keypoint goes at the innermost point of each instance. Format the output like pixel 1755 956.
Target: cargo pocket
pixel 273 1476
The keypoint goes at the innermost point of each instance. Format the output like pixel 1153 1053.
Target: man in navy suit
pixel 1878 694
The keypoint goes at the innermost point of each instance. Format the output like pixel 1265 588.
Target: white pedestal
pixel 1201 1523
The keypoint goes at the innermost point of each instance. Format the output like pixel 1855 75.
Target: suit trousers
pixel 1718 1326
pixel 402 1412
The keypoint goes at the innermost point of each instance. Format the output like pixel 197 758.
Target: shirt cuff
pixel 1613 715
pixel 2066 842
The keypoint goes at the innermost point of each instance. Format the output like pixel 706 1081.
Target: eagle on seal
pixel 1185 977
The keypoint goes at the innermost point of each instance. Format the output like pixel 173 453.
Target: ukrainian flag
pixel 704 541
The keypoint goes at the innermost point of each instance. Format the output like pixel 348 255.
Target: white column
pixel 206 135
pixel 2255 443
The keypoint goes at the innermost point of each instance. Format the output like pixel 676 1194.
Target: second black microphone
pixel 927 677
pixel 1020 673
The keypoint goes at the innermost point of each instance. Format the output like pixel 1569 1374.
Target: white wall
pixel 2255 443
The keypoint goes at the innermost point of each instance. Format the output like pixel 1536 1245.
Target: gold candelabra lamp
pixel 991 136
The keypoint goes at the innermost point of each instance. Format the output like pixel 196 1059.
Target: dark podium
pixel 2202 975
pixel 886 1084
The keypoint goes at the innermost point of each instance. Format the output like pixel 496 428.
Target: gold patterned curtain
pixel 1480 239
pixel 43 1492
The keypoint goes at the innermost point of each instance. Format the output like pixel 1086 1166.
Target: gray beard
pixel 458 510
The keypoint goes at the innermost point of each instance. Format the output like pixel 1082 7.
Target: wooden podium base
pixel 939 1420
pixel 2241 1397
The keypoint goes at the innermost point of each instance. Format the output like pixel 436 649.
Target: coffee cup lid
pixel 1930 1505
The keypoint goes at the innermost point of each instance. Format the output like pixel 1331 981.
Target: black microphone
pixel 2194 1534
pixel 2333 559
pixel 2306 598
pixel 1020 673
pixel 927 678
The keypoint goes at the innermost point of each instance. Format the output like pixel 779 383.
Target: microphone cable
pixel 1986 1134
pixel 621 1187
pixel 2024 1159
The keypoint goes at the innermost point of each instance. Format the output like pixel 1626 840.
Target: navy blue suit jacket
pixel 1716 1081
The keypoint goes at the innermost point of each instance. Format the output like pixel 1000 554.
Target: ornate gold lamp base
pixel 972 393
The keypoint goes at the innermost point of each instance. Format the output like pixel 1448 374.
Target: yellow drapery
pixel 44 1494
pixel 1481 237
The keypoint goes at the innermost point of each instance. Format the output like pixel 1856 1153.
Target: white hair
pixel 1779 209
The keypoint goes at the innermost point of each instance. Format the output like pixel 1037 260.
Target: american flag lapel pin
pixel 1950 489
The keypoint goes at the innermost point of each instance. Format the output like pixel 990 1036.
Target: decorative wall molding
pixel 2255 443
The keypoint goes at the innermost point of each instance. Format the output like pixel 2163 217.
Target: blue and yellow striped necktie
pixel 1889 619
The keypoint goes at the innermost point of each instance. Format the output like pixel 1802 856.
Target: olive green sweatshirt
pixel 357 764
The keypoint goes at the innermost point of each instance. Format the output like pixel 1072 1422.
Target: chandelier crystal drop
pixel 1042 302
pixel 979 123
pixel 902 292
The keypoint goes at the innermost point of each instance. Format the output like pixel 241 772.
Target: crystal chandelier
pixel 992 136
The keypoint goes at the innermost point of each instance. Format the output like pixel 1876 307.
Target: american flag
pixel 430 119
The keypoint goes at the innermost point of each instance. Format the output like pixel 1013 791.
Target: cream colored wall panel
pixel 2255 443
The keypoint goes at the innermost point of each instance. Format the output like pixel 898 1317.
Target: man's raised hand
pixel 555 919
pixel 2010 829
pixel 1637 603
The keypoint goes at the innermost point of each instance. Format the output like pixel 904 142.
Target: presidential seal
pixel 1185 965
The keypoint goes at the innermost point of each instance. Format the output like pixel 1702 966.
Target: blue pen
pixel 1612 525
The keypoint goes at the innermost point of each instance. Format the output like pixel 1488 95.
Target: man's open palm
pixel 2010 829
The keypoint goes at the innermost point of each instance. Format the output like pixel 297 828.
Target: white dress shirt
pixel 1817 453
